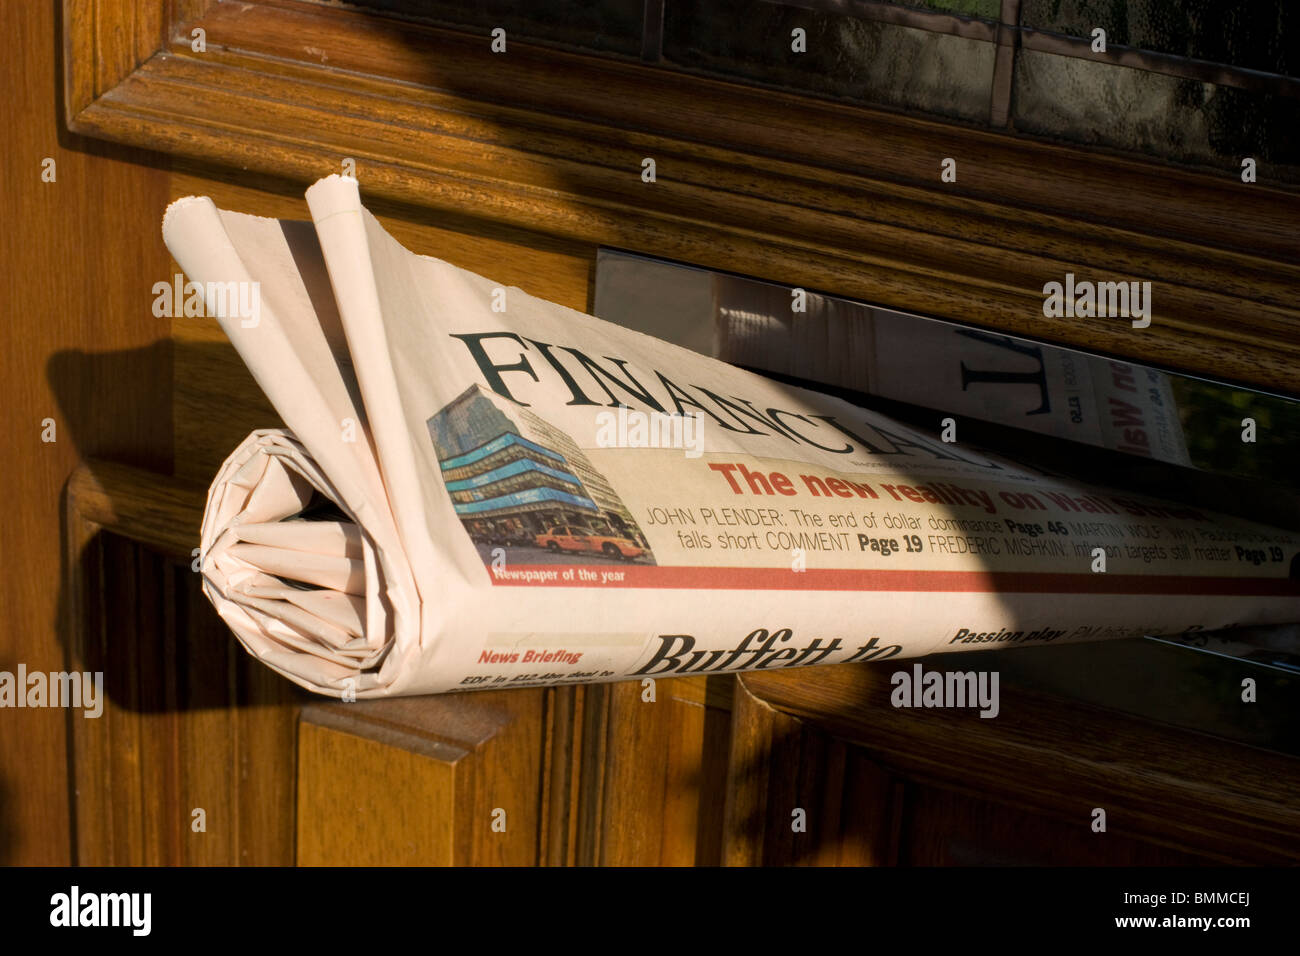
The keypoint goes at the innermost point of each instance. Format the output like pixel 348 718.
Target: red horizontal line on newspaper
pixel 859 579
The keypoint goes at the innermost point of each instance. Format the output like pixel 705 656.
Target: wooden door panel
pixel 521 174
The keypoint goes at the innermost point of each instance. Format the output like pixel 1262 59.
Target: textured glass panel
pixel 1257 35
pixel 863 60
pixel 1086 101
pixel 607 25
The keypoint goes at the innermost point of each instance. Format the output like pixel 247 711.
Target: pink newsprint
pixel 477 489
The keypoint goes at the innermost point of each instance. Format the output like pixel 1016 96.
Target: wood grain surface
pixel 822 195
pixel 193 760
pixel 79 345
pixel 520 168
pixel 1046 760
pixel 444 781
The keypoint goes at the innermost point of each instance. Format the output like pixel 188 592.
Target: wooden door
pixel 520 169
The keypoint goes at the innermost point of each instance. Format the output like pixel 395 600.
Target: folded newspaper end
pixel 294 590
pixel 528 496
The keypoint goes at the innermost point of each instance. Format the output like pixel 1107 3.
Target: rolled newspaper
pixel 481 489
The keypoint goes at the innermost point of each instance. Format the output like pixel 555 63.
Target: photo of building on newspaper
pixel 518 482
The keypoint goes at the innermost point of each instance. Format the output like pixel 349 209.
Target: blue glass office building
pixel 511 474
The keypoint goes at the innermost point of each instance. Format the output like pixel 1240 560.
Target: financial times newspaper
pixel 477 488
